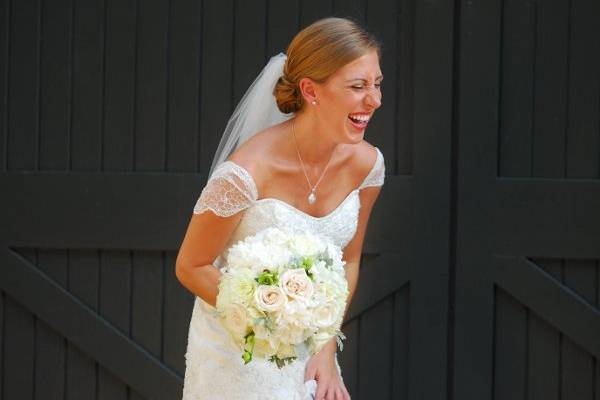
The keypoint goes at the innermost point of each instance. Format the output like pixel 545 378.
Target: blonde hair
pixel 316 52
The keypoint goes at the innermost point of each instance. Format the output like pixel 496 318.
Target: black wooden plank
pixel 2 338
pixel 283 24
pixel 147 301
pixel 405 89
pixel 4 83
pixel 430 260
pixel 382 19
pixel 400 348
pixel 83 282
pixel 378 280
pixel 516 101
pixel 375 340
pixel 510 348
pixel 50 345
pixel 87 86
pixel 249 51
pixel 583 138
pixel 552 301
pixel 81 374
pixel 544 349
pixel 114 306
pixel 81 326
pixel 550 96
pixel 543 364
pixel 184 80
pixel 312 10
pixel 355 10
pixel 110 387
pixel 216 86
pixel 112 202
pixel 348 357
pixel 119 86
pixel 176 317
pixel 55 85
pixel 550 218
pixel 23 106
pixel 152 86
pixel 577 380
pixel 19 350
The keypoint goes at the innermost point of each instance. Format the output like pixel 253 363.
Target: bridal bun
pixel 316 52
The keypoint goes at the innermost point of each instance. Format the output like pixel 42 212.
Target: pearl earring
pixel 314 102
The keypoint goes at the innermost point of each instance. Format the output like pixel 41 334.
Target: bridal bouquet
pixel 280 290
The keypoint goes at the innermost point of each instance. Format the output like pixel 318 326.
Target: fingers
pixel 331 392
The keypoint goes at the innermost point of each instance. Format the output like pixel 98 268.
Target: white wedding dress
pixel 214 367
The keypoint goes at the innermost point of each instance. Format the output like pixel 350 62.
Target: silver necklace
pixel 312 197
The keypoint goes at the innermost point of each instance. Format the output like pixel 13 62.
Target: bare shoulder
pixel 251 154
pixel 364 158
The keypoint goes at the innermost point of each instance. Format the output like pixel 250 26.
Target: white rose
pixel 325 315
pixel 235 320
pixel 269 298
pixel 296 284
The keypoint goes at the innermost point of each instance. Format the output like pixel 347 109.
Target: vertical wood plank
pixel 184 56
pixel 583 138
pixel 152 86
pixel 375 359
pixel 5 26
pixel 401 343
pixel 216 88
pixel 382 19
pixel 19 351
pixel 404 88
pixel 577 379
pixel 83 282
pixel 88 82
pixel 147 301
pixel 50 346
pixel 510 348
pixel 55 85
pixel 114 306
pixel 348 358
pixel 516 101
pixel 551 63
pixel 543 372
pixel 313 10
pixel 23 103
pixel 283 24
pixel 120 83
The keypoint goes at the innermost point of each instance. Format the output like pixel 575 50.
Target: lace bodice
pixel 231 189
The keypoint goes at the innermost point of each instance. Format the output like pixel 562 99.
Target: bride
pixel 293 155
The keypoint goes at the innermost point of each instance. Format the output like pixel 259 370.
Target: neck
pixel 314 143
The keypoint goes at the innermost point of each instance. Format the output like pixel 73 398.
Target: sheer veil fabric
pixel 256 111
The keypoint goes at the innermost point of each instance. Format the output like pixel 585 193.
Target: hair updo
pixel 316 52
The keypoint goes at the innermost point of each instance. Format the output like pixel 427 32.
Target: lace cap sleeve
pixel 376 176
pixel 229 189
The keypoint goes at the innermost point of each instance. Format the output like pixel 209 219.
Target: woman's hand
pixel 321 367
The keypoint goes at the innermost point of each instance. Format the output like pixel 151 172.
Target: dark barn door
pixel 111 112
pixel 528 195
pixel 480 276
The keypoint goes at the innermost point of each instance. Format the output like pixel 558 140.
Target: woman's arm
pixel 206 236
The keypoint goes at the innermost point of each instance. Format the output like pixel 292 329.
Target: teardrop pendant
pixel 312 198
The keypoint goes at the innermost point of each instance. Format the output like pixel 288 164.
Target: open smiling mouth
pixel 359 121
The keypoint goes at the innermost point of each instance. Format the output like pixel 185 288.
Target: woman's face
pixel 349 98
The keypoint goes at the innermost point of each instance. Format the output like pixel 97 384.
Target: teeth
pixel 358 117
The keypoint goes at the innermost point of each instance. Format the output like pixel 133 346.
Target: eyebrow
pixel 362 79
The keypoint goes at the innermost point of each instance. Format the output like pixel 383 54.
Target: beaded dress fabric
pixel 214 367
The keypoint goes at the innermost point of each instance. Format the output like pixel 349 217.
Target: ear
pixel 308 89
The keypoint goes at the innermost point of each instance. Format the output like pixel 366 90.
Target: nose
pixel 373 98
